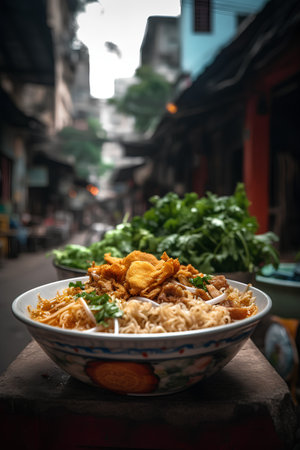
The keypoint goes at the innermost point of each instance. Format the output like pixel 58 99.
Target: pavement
pixel 18 275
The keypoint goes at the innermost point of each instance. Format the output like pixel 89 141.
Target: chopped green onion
pixel 200 282
pixel 76 284
pixel 102 306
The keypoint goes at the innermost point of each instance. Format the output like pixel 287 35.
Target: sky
pixel 123 23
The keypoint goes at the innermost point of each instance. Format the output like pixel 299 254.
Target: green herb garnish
pixel 76 284
pixel 102 306
pixel 200 282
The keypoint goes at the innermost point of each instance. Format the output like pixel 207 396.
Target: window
pixel 202 16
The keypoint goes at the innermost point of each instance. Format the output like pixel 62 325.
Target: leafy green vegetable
pixel 213 233
pixel 76 284
pixel 200 282
pixel 73 255
pixel 102 305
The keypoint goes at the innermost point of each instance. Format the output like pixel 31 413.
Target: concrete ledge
pixel 246 404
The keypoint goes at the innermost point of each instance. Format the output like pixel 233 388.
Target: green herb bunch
pixel 213 233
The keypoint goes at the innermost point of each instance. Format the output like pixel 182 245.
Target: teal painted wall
pixel 199 49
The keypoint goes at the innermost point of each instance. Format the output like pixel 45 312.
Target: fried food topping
pixel 142 274
pixel 116 297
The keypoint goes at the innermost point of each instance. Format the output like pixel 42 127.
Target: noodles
pixel 115 291
pixel 144 318
pixel 63 311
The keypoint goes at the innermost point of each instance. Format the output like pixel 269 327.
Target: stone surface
pixel 247 401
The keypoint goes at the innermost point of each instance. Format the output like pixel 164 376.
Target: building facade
pixel 207 26
pixel 37 68
pixel 238 122
pixel 160 48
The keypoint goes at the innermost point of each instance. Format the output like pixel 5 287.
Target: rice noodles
pixel 113 292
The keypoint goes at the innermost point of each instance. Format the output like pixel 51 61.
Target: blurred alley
pixel 18 275
pixel 195 154
pixel 70 162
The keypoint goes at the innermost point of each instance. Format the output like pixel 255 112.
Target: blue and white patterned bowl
pixel 144 364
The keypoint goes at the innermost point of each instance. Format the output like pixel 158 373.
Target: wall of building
pixel 161 47
pixel 61 21
pixel 198 49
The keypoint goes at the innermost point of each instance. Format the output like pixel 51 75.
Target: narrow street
pixel 18 275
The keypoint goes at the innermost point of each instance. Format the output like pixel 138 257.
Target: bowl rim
pixel 69 268
pixel 272 281
pixel 129 337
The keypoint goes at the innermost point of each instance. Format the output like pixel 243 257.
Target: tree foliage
pixel 146 99
pixel 85 146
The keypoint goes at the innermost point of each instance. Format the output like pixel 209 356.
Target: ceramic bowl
pixel 64 272
pixel 144 364
pixel 284 288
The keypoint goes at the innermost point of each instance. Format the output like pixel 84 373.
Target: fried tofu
pixel 137 274
pixel 142 276
pixel 137 255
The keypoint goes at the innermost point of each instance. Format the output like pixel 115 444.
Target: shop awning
pixel 26 46
pixel 143 148
pixel 125 174
pixel 12 115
